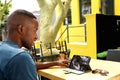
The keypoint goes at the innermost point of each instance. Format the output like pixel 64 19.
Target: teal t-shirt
pixel 15 63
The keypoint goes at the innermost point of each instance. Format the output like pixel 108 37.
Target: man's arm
pixel 43 65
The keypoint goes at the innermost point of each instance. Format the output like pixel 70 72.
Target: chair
pixel 41 57
pixel 113 55
pixel 51 55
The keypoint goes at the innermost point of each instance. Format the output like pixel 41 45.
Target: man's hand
pixel 63 63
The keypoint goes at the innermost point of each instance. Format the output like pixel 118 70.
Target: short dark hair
pixel 16 16
pixel 24 13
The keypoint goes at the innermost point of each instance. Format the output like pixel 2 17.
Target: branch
pixel 41 3
pixel 67 4
pixel 62 14
pixel 60 4
pixel 58 21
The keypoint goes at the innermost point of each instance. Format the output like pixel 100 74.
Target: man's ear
pixel 20 29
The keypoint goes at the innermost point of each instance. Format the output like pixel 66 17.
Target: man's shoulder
pixel 9 50
pixel 9 53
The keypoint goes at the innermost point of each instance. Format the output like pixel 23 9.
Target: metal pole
pixel 66 22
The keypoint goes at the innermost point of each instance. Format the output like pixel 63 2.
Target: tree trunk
pixel 48 31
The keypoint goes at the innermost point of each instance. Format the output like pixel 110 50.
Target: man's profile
pixel 16 63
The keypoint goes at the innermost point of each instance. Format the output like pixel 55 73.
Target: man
pixel 15 63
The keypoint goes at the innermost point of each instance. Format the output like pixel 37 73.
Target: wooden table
pixel 57 73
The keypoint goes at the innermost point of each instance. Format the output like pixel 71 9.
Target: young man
pixel 15 63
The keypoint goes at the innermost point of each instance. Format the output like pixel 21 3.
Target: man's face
pixel 30 34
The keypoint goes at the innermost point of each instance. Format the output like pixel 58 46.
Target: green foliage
pixel 4 11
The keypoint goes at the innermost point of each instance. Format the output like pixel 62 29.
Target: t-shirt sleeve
pixel 21 67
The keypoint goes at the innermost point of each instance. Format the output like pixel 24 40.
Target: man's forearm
pixel 43 65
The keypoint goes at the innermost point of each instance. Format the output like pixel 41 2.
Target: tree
pixel 4 11
pixel 48 31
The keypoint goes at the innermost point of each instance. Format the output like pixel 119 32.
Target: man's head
pixel 21 28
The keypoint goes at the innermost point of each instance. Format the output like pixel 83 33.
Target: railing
pixel 67 38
